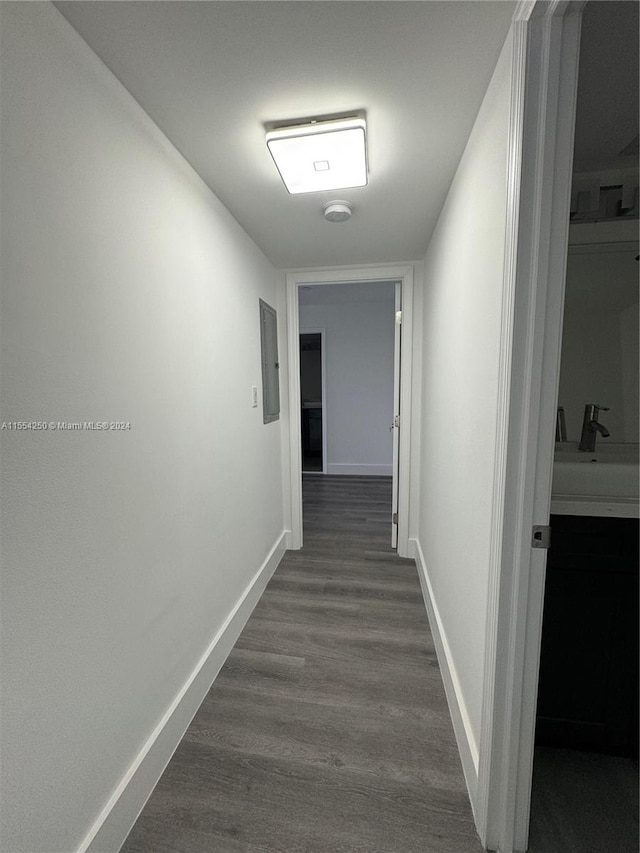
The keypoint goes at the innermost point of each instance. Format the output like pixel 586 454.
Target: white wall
pixel 600 336
pixel 630 351
pixel 462 304
pixel 359 320
pixel 129 294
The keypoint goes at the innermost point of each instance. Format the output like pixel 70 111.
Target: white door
pixel 395 426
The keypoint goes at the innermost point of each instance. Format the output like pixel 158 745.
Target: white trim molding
pixel 463 730
pixel 113 824
pixel 346 275
pixel 546 45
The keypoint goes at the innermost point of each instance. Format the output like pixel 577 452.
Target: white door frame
pixel 323 368
pixel 395 427
pixel 346 275
pixel 544 89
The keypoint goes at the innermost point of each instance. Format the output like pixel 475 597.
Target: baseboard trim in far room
pixel 346 468
pixel 457 708
pixel 111 828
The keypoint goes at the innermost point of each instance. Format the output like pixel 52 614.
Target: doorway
pixel 585 772
pixel 313 394
pixel 586 745
pixel 585 775
pixel 538 318
pixel 341 464
pixel 349 386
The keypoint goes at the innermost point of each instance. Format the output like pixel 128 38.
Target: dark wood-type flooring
pixel 327 730
pixel 583 802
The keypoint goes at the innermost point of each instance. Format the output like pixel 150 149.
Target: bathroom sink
pixel 610 471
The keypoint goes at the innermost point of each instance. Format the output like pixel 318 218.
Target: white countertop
pixel 608 488
pixel 595 505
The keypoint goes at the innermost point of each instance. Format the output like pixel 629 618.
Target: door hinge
pixel 394 518
pixel 541 536
pixel 398 318
pixel 396 420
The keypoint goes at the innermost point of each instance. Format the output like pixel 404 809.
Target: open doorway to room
pixel 356 324
pixel 585 776
pixel 585 780
pixel 347 393
pixel 348 425
pixel 312 395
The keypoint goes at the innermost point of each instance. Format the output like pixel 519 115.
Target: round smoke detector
pixel 337 211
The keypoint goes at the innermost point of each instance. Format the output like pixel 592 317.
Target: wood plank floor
pixel 327 730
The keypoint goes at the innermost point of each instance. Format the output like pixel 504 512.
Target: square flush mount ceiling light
pixel 323 155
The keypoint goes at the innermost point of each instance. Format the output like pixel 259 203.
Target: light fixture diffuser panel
pixel 328 155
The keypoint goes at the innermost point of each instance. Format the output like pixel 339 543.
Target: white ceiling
pixel 211 74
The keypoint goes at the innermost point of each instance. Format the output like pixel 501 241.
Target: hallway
pixel 327 728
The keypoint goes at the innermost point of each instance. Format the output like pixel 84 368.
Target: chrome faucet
pixel 591 427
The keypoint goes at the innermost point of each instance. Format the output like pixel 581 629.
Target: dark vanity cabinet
pixel 588 688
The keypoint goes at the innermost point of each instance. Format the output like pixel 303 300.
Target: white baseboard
pixel 359 470
pixel 114 823
pixel 467 746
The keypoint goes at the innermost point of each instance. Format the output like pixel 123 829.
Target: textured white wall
pixel 129 294
pixel 359 320
pixel 461 322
